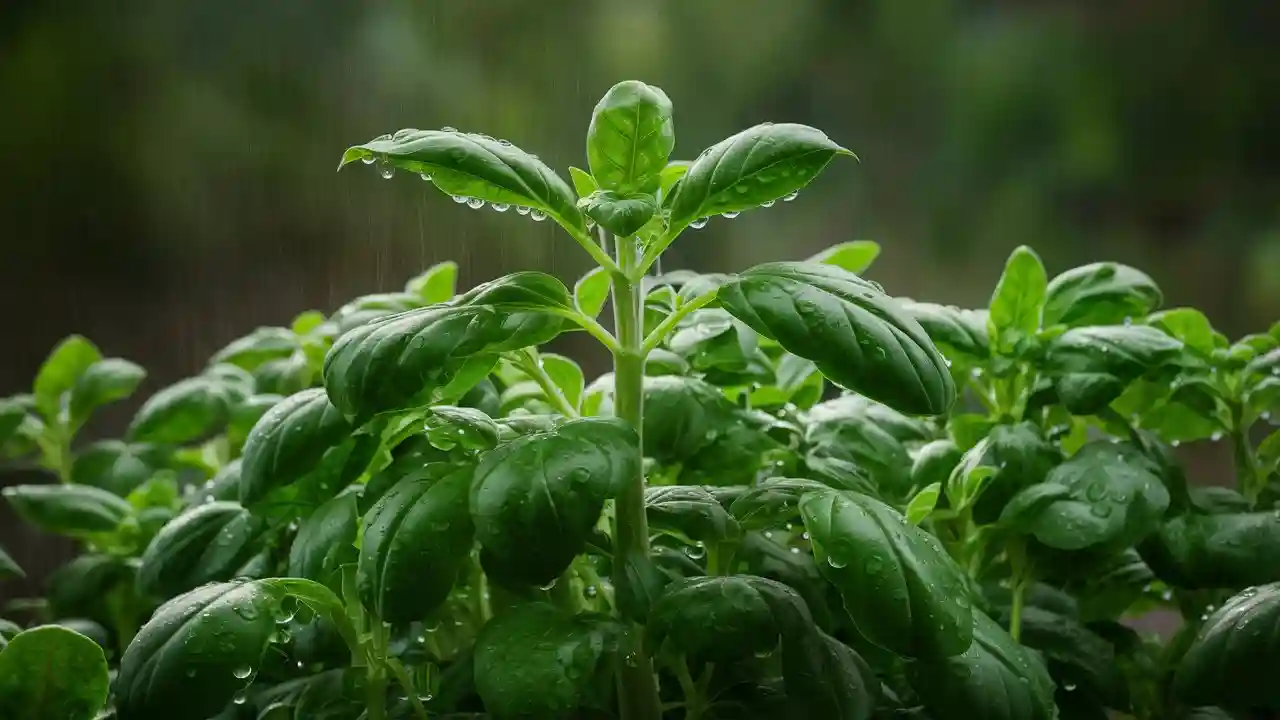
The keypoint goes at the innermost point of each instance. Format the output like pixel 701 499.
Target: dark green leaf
pixel 900 588
pixel 1018 301
pixel 716 619
pixel 186 411
pixel 1100 294
pixel 80 587
pixel 689 512
pixel 630 138
pixel 284 376
pixel 103 382
pixel 535 500
pixel 854 256
pixel 773 502
pixel 116 466
pixel 1021 457
pixel 712 339
pixel 1094 364
pixel 1233 658
pixel 1106 495
pixel 857 336
pixel 934 462
pixel 618 213
pixel 258 347
pixel 846 432
pixel 436 284
pixel 682 416
pixel 1076 656
pixel 60 371
pixel 414 542
pixel 52 673
pixel 326 541
pixel 288 442
pixel 245 415
pixel 770 560
pixel 207 543
pixel 961 335
pixel 73 510
pixel 758 165
pixel 995 679
pixel 1215 551
pixel 477 166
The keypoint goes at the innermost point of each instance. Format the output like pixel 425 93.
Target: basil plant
pixel 794 496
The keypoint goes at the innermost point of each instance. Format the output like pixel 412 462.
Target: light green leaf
pixel 591 292
pixel 436 284
pixel 566 374
pixel 207 543
pixel 630 138
pixel 1188 325
pixel 583 183
pixel 9 569
pixel 103 382
pixel 60 371
pixel 855 256
pixel 1018 301
pixel 258 347
pixel 923 503
pixel 186 411
pixel 1100 294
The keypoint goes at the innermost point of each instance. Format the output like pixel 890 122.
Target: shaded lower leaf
pixel 73 510
pixel 52 673
pixel 1232 660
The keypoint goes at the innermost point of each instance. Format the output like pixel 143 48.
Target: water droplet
pixel 300 666
pixel 1069 687
pixel 632 659
pixel 285 612
pixel 386 170
pixel 475 203
pixel 768 203
pixel 369 159
pixel 425 176
pixel 1128 322
pixel 698 224
pixel 537 215
pixel 500 207
pixel 837 562
pixel 1216 436
pixel 791 196
pixel 730 215
pixel 795 551
pixel 768 534
pixel 697 551
pixel 242 672
pixel 804 536
pixel 549 586
pixel 448 128
pixel 460 199
pixel 1175 443
pixel 504 142
pixel 402 133
pixel 191 672
pixel 590 591
pixel 522 210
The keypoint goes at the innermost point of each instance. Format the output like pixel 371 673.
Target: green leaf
pixel 307 322
pixel 857 336
pixel 1018 301
pixel 583 183
pixel 630 138
pixel 918 602
pixel 1106 495
pixel 566 374
pixel 326 541
pixel 449 427
pixel 1102 293
pixel 477 166
pixel 855 256
pixel 436 284
pixel 414 542
pixel 8 568
pixel 116 466
pixel 1093 365
pixel 183 412
pixel 1231 662
pixel 1188 325
pixel 994 678
pixel 258 347
pixel 370 307
pixel 245 415
pixel 591 292
pixel 620 214
pixel 672 174
pixel 536 500
pixel 72 510
pixel 397 362
pixel 51 672
pixel 923 503
pixel 12 417
pixel 207 543
pixel 1019 457
pixel 1075 655
pixel 773 502
pixel 690 513
pixel 934 462
pixel 103 382
pixel 867 438
pixel 537 661
pixel 78 589
pixel 288 442
pixel 60 371
pixel 758 165
pixel 683 416
pixel 1234 549
pixel 198 650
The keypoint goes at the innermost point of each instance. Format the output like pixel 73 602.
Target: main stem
pixel 637 690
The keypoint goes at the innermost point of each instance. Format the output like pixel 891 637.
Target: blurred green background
pixel 169 177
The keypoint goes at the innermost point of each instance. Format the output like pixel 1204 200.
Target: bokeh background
pixel 168 167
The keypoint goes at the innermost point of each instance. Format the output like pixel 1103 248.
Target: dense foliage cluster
pixel 796 496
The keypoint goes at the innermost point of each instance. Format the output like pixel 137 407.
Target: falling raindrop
pixel 500 207
pixel 522 210
pixel 386 169
pixel 460 199
pixel 698 224
pixel 425 176
pixel 537 215
pixel 791 196
pixel 475 203
pixel 730 215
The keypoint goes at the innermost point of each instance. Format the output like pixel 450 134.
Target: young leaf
pixel 1230 663
pixel 923 503
pixel 961 335
pixel 690 513
pixel 591 292
pixel 919 607
pixel 1018 301
pixel 630 138
pixel 477 166
pixel 72 510
pixel 1188 325
pixel 183 412
pixel 288 442
pixel 9 569
pixel 207 543
pixel 538 661
pixel 566 374
pixel 60 371
pixel 436 284
pixel 620 214
pixel 583 183
pixel 414 542
pixel 758 165
pixel 1102 293
pixel 854 256
pixel 857 336
pixel 670 175
pixel 51 672
pixel 260 346
pixel 103 382
pixel 535 500
pixel 326 541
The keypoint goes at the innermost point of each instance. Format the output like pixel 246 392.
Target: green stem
pixel 664 328
pixel 402 677
pixel 376 695
pixel 1021 578
pixel 1246 461
pixel 637 689
pixel 589 324
pixel 529 362
pixel 693 700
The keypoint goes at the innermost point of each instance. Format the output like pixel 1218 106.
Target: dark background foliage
pixel 168 173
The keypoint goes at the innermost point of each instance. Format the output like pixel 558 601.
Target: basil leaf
pixel 258 347
pixel 102 383
pixel 436 284
pixel 60 372
pixel 1018 301
pixel 854 256
pixel 1102 293
pixel 758 165
pixel 591 292
pixel 715 619
pixel 618 213
pixel 857 336
pixel 326 541
pixel 468 165
pixel 288 442
pixel 902 591
pixel 961 335
pixel 116 466
pixel 690 513
pixel 772 503
pixel 414 542
pixel 72 510
pixel 535 500
pixel 207 543
pixel 583 183
pixel 1230 662
pixel 9 569
pixel 630 139
pixel 371 307
pixel 186 411
pixel 1093 365
pixel 1188 325
pixel 52 672
pixel 1020 457
pixel 933 463
pixel 1235 549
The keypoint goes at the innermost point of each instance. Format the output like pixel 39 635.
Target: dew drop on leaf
pixel 460 199
pixel 698 224
pixel 239 698
pixel 448 128
pixel 730 215
pixel 500 207
pixel 837 563
pixel 767 203
pixel 475 203
pixel 425 176
pixel 537 215
pixel 522 210
pixel 369 159
pixel 590 592
pixel 549 586
pixel 697 551
pixel 242 672
pixel 791 196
